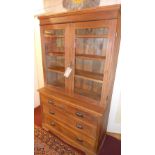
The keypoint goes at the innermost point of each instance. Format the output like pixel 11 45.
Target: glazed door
pixel 84 48
pixel 92 41
pixel 54 46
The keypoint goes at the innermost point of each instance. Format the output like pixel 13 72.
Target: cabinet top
pixel 97 13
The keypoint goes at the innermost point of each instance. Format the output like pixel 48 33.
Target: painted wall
pixel 114 123
pixel 38 74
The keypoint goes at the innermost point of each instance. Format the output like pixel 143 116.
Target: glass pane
pixel 54 45
pixel 54 49
pixel 88 88
pixel 91 46
pixel 55 61
pixel 92 31
pixel 55 79
pixel 93 66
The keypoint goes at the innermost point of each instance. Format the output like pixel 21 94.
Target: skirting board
pixel 115 135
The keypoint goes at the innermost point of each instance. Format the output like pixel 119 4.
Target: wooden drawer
pixel 74 111
pixel 53 124
pixel 73 122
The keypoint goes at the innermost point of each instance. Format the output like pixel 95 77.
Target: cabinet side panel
pixel 112 68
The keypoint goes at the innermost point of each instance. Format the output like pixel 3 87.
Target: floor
pixel 112 146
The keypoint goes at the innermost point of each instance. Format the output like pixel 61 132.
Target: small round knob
pixel 79 139
pixel 79 114
pixel 79 126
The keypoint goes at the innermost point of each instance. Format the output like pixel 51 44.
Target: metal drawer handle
pixel 52 123
pixel 79 114
pixel 52 113
pixel 79 139
pixel 50 101
pixel 79 126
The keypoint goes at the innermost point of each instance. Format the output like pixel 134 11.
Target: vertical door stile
pixel 67 37
pixel 69 57
pixel 72 55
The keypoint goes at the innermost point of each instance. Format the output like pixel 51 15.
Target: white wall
pixel 114 123
pixel 38 74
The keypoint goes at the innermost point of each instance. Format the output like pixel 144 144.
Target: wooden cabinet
pixel 79 51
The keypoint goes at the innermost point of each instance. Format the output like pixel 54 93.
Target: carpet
pixel 45 143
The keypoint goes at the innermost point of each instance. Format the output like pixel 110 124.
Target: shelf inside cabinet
pixel 92 36
pixel 57 69
pixel 58 84
pixel 91 57
pixel 53 36
pixel 89 75
pixel 55 53
pixel 80 73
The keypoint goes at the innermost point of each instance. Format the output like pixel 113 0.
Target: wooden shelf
pixel 55 53
pixel 58 84
pixel 53 36
pixel 92 36
pixel 92 57
pixel 89 75
pixel 79 73
pixel 56 69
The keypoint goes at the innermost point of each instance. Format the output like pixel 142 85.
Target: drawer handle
pixel 52 113
pixel 50 101
pixel 79 126
pixel 52 123
pixel 79 140
pixel 79 114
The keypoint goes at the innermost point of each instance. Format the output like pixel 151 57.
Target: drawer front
pixel 53 124
pixel 78 113
pixel 76 124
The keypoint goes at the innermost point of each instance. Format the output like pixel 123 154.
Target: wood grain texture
pixel 75 123
pixel 79 138
pixel 78 111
